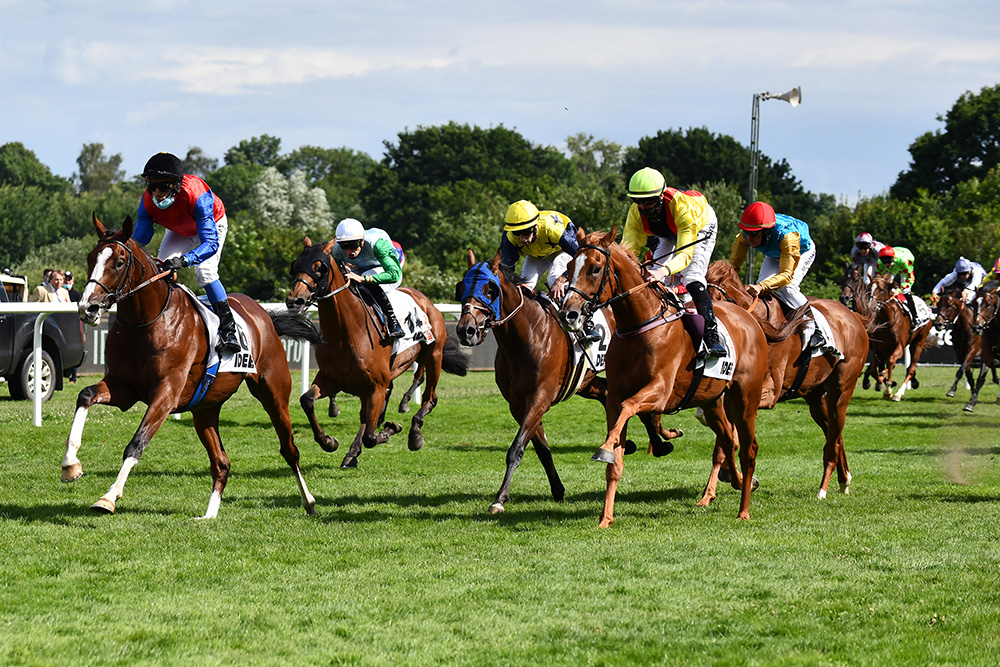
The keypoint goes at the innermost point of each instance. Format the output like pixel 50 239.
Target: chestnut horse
pixel 158 353
pixel 951 312
pixel 827 384
pixel 651 362
pixel 893 334
pixel 986 323
pixel 354 357
pixel 534 364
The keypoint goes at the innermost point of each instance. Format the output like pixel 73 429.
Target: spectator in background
pixel 51 289
pixel 74 294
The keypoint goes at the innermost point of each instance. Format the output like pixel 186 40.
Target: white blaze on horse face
pixel 102 259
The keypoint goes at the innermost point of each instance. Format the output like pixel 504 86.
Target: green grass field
pixel 404 566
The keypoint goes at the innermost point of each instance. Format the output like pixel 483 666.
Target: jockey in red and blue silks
pixel 196 224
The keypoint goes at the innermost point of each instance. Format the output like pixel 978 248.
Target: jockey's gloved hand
pixel 173 263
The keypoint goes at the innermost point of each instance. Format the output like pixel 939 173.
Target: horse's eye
pixel 594 270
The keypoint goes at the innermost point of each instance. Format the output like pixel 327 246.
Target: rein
pixel 122 292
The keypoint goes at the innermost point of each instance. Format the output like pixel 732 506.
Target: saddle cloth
pixel 924 313
pixel 721 368
pixel 240 362
pixel 412 319
pixel 824 326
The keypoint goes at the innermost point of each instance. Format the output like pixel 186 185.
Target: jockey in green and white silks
pixel 370 260
pixel 897 262
pixel 788 254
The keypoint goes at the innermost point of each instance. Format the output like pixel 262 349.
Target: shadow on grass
pixel 933 451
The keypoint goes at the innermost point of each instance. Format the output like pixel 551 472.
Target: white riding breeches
pixel 175 244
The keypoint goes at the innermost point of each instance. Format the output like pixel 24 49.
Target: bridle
pixel 316 290
pixel 472 304
pixel 123 291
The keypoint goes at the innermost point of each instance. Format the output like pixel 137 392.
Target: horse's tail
pixel 453 360
pixel 793 324
pixel 298 327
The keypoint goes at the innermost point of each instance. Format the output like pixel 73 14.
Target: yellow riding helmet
pixel 646 183
pixel 520 215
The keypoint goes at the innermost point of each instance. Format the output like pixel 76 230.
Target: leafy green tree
pixel 290 202
pixel 968 147
pixel 97 172
pixel 27 220
pixel 340 172
pixel 199 164
pixel 21 167
pixel 262 151
pixel 234 184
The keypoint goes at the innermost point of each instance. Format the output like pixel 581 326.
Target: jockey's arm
pixel 787 262
pixel 386 256
pixel 204 219
pixel 634 237
pixel 143 231
pixel 509 253
pixel 567 241
pixel 739 251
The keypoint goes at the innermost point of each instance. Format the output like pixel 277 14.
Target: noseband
pixel 320 289
pixel 123 289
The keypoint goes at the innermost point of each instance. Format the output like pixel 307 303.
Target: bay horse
pixel 534 364
pixel 951 312
pixel 826 384
pixel 353 355
pixel 157 354
pixel 893 334
pixel 852 283
pixel 651 362
pixel 986 323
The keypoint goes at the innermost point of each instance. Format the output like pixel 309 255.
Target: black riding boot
pixel 912 306
pixel 703 303
pixel 395 331
pixel 227 328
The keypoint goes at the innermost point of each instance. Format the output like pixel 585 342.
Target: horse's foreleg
pixel 72 469
pixel 156 414
pixel 659 439
pixel 530 421
pixel 819 410
pixel 321 386
pixel 711 487
pixel 970 406
pixel 206 422
pixel 743 411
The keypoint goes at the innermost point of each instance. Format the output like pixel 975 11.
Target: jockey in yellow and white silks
pixel 685 227
pixel 546 240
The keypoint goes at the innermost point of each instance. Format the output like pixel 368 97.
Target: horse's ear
pixel 609 238
pixel 307 242
pixel 127 228
pixel 101 229
pixel 471 258
pixel 328 246
pixel 580 235
pixel 495 263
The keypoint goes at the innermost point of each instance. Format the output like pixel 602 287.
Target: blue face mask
pixel 164 203
pixel 472 287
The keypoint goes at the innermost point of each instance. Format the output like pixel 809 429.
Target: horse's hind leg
pixel 275 402
pixel 206 422
pixel 414 390
pixel 429 368
pixel 530 420
pixel 970 406
pixel 321 386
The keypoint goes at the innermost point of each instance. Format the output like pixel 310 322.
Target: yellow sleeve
pixel 739 251
pixel 690 217
pixel 786 263
pixel 633 235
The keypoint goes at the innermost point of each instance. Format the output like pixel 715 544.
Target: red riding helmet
pixel 758 215
pixel 887 255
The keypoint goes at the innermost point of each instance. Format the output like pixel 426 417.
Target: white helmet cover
pixel 350 229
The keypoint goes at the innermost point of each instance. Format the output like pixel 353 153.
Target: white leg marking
pixel 308 502
pixel 213 506
pixel 821 495
pixel 118 488
pixel 75 437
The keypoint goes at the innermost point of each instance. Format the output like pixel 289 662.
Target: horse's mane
pixel 988 287
pixel 723 274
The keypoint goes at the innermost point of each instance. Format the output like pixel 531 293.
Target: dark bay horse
pixel 353 356
pixel 893 335
pixel 986 323
pixel 827 384
pixel 157 354
pixel 534 364
pixel 951 312
pixel 651 362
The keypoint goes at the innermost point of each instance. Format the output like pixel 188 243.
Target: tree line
pixel 443 189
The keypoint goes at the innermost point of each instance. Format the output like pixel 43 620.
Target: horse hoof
pixel 662 448
pixel 349 462
pixel 603 455
pixel 896 398
pixel 334 410
pixel 630 447
pixel 821 494
pixel 914 384
pixel 416 441
pixel 329 444
pixel 72 472
pixel 496 508
pixel 743 516
pixel 950 394
pixel 724 475
pixel 404 407
pixel 754 484
pixel 103 506
pixel 968 408
pixel 705 501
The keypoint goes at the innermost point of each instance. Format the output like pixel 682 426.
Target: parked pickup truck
pixel 63 344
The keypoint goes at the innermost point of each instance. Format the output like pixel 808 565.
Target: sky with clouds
pixel 141 77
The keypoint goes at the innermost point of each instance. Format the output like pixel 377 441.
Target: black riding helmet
pixel 163 168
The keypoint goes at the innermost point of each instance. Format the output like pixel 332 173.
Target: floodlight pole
pixel 793 97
